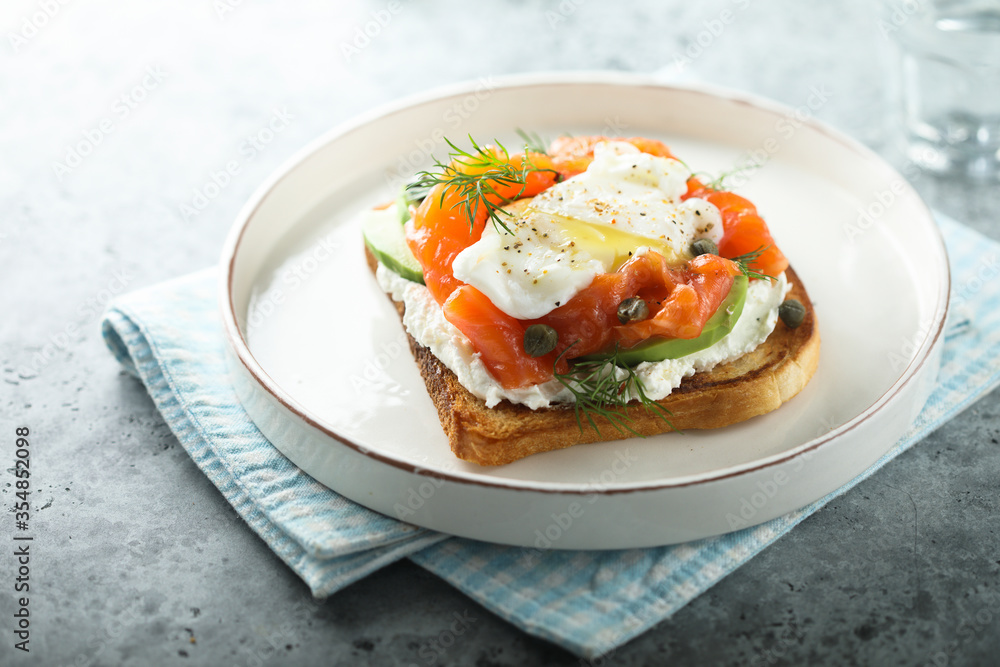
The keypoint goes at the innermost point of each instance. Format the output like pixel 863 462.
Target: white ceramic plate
pixel 320 361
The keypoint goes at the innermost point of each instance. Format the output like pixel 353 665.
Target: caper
pixel 704 246
pixel 540 339
pixel 632 310
pixel 792 312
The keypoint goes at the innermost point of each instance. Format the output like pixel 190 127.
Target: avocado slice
pixel 403 202
pixel 412 194
pixel 716 328
pixel 386 238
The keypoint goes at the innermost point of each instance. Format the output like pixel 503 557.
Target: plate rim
pixel 238 345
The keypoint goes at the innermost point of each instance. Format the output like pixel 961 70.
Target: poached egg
pixel 625 203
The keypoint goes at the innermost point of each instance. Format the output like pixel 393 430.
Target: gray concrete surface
pixel 137 559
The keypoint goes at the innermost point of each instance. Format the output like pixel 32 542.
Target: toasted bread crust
pixel 752 385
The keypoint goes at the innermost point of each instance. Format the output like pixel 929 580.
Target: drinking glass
pixel 946 57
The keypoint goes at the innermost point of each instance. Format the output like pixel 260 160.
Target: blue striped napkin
pixel 170 337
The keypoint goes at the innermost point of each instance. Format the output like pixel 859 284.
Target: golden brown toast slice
pixel 752 385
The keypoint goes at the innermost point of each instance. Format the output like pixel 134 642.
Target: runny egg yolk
pixel 609 245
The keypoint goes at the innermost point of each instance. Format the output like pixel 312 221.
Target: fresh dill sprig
pixel 719 182
pixel 599 390
pixel 491 168
pixel 414 191
pixel 532 142
pixel 743 261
